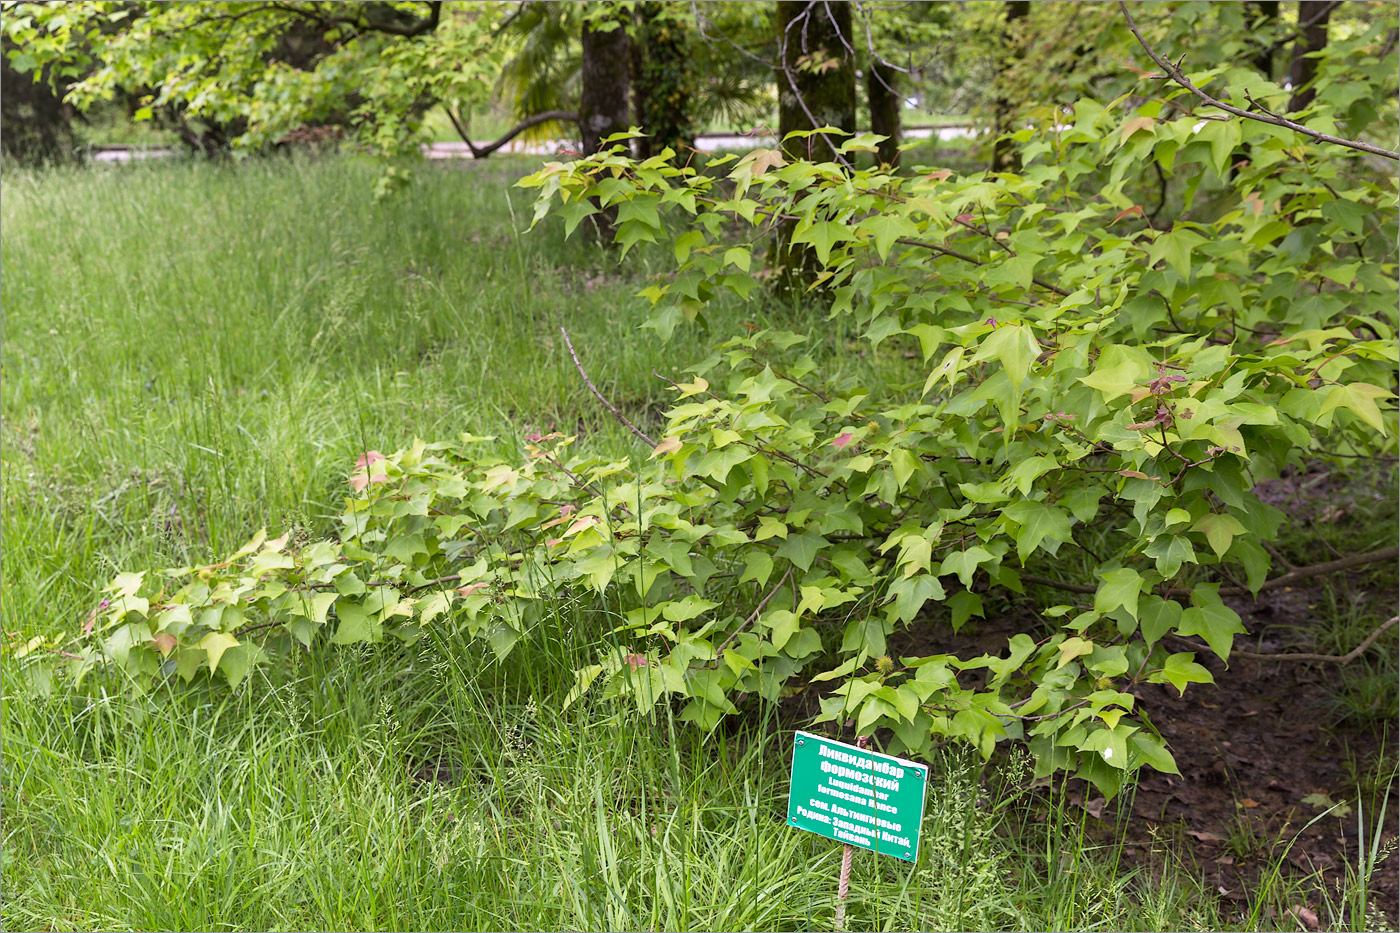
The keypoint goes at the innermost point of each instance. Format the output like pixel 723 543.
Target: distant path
pixel 458 150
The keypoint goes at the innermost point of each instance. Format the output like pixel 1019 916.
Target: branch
pixel 1175 73
pixel 360 23
pixel 719 652
pixel 481 152
pixel 1303 573
pixel 1347 658
pixel 1287 579
pixel 520 128
pixel 599 396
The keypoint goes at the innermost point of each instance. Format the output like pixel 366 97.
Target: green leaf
pixel 214 645
pixel 801 549
pixel 965 604
pixel 886 229
pixel 1036 523
pixel 357 624
pixel 1211 619
pixel 1014 346
pixel 1120 587
pixel 911 593
pixel 684 610
pixel 1170 552
pixel 1220 529
pixel 1359 398
pixel 965 563
pixel 1158 617
pixel 1153 751
pixel 1181 669
pixel 502 638
pixel 583 679
pixel 823 235
pixel 1175 247
pixel 784 623
pixel 1071 648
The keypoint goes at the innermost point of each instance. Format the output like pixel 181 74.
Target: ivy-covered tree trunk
pixel 660 76
pixel 603 100
pixel 883 94
pixel 1312 21
pixel 817 74
pixel 816 87
pixel 1004 157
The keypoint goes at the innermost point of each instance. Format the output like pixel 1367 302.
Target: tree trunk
pixel 1263 17
pixel 660 84
pixel 816 87
pixel 817 77
pixel 883 94
pixel 1004 155
pixel 1312 21
pixel 603 100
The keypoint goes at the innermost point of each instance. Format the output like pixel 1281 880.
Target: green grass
pixel 194 351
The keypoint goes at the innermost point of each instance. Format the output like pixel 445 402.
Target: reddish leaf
pixel 842 442
pixel 1135 209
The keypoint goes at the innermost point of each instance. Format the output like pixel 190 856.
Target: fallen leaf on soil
pixel 1249 803
pixel 1306 918
pixel 1208 838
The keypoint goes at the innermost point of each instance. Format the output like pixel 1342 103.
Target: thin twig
pixel 719 652
pixel 1176 74
pixel 599 395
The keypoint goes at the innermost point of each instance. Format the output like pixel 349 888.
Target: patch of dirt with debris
pixel 1261 753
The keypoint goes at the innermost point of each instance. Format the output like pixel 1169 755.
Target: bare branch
pixel 599 395
pixel 1287 579
pixel 719 652
pixel 481 152
pixel 1175 73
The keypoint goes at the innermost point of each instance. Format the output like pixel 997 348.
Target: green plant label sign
pixel 852 795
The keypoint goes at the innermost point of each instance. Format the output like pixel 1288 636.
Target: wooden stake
pixel 843 885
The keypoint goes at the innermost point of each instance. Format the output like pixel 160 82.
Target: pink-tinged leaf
pixel 842 442
pixel 1135 209
pixel 940 175
pixel 471 588
pixel 668 445
pixel 553 541
pixel 164 643
pixel 364 474
pixel 368 458
pixel 635 661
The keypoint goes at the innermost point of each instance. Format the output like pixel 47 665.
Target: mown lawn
pixel 192 352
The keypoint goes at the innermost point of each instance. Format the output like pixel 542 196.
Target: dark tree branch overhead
pixel 481 152
pixel 1175 73
pixel 361 22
